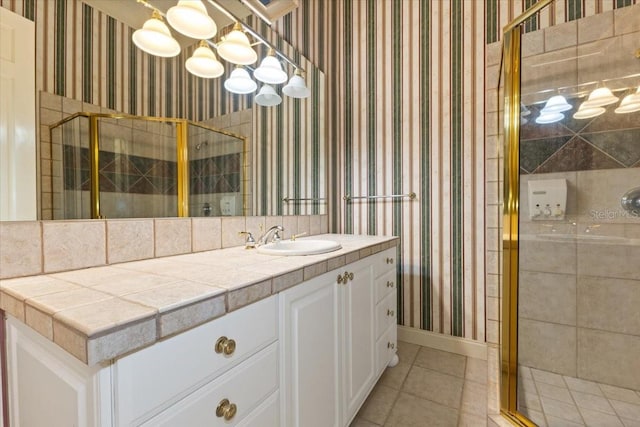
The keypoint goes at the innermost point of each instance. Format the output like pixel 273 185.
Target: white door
pixel 358 310
pixel 17 118
pixel 309 338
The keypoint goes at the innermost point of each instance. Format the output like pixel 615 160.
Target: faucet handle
pixel 249 242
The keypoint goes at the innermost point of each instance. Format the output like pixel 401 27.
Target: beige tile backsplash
pixel 30 248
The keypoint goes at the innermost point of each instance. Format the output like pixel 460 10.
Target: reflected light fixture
pixel 599 98
pixel 155 38
pixel 588 112
pixel 629 104
pixel 267 97
pixel 236 49
pixel 547 118
pixel 270 70
pixel 556 104
pixel 239 82
pixel 296 88
pixel 204 63
pixel 190 18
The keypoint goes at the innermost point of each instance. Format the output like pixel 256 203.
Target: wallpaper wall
pixel 407 94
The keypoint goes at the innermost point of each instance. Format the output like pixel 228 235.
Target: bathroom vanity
pixel 306 354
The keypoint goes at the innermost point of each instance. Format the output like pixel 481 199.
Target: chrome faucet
pixel 270 236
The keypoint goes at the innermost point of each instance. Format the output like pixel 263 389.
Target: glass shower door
pixel 578 346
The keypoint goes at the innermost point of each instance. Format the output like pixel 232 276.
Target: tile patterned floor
pixel 552 400
pixel 428 388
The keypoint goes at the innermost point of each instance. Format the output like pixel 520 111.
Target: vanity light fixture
pixel 556 104
pixel 204 63
pixel 267 97
pixel 236 49
pixel 190 18
pixel 296 88
pixel 155 38
pixel 599 98
pixel 239 82
pixel 588 112
pixel 270 70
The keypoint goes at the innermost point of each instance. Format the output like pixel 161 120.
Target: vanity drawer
pixel 386 347
pixel 385 285
pixel 245 386
pixel 386 313
pixel 386 262
pixel 150 380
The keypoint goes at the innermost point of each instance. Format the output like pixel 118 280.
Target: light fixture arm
pixel 253 33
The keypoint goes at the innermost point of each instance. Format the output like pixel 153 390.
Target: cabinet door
pixel 310 389
pixel 48 387
pixel 358 314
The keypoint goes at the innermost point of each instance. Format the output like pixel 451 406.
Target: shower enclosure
pixel 119 166
pixel 571 293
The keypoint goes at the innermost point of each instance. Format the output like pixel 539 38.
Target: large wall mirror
pixel 242 158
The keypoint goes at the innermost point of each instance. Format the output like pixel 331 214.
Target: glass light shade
pixel 236 49
pixel 270 70
pixel 556 104
pixel 599 98
pixel 240 82
pixel 636 96
pixel 155 38
pixel 629 104
pixel 524 111
pixel 544 119
pixel 267 97
pixel 203 63
pixel 190 18
pixel 296 88
pixel 587 113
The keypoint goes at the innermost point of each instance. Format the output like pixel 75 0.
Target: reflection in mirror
pixel 132 167
pixel 285 155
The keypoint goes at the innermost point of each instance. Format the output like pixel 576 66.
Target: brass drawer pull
pixel 389 260
pixel 391 345
pixel 226 409
pixel 389 312
pixel 225 346
pixel 344 278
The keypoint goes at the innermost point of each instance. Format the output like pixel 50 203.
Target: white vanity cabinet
pixel 329 342
pixel 224 372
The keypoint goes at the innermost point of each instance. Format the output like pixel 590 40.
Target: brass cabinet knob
pixel 226 409
pixel 225 346
pixel 341 280
pixel 350 276
pixel 344 278
pixel 389 284
pixel 389 260
pixel 389 312
pixel 391 345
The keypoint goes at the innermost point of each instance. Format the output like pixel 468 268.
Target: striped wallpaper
pixel 405 82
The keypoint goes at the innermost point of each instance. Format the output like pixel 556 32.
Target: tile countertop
pixel 101 313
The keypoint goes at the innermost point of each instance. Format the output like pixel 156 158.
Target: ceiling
pixel 135 14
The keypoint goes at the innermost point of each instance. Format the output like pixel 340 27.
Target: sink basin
pixel 299 247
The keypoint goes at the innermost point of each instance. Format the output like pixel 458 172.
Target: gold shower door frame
pixel 182 155
pixel 509 349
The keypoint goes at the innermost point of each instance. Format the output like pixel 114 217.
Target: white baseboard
pixel 448 343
